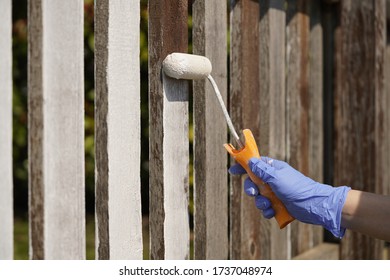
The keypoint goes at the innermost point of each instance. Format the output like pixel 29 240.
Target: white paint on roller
pixel 196 67
pixel 187 66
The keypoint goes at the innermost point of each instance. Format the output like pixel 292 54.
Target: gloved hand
pixel 306 200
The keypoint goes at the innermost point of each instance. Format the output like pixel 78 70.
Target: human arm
pixel 367 213
pixel 335 208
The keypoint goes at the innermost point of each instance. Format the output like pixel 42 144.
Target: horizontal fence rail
pixel 307 77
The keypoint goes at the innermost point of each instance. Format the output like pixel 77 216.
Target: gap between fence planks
pixel 117 126
pixel 210 158
pixel 168 134
pixel 6 179
pixel 316 104
pixel 56 129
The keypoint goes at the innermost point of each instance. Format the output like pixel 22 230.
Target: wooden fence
pixel 307 77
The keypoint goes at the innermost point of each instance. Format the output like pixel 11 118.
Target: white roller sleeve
pixel 187 66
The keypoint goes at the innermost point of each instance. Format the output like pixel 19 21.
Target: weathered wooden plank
pixel 382 124
pixel 275 243
pixel 316 123
pixel 297 44
pixel 359 110
pixel 324 251
pixel 245 235
pixel 6 179
pixel 118 151
pixel 56 130
pixel 386 175
pixel 210 158
pixel 168 130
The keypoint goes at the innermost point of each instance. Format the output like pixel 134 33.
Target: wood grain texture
pixel 386 175
pixel 316 104
pixel 298 104
pixel 323 251
pixel 275 243
pixel 118 150
pixel 210 158
pixel 245 234
pixel 35 123
pixel 56 130
pixel 168 130
pixel 359 121
pixel 6 179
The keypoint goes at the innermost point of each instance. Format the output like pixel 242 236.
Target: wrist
pixel 350 207
pixel 334 217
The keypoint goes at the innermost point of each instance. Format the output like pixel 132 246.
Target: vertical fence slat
pixel 245 235
pixel 386 177
pixel 118 195
pixel 56 130
pixel 168 134
pixel 316 124
pixel 297 86
pixel 359 99
pixel 210 158
pixel 6 180
pixel 272 111
pixel 381 108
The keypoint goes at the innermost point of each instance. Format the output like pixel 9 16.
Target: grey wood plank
pixel 272 111
pixel 168 134
pixel 118 150
pixel 56 130
pixel 6 178
pixel 245 234
pixel 210 158
pixel 297 86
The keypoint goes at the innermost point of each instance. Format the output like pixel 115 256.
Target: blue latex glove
pixel 306 200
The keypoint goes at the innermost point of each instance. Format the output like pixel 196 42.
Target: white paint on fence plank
pixel 168 130
pixel 176 161
pixel 58 93
pixel 6 184
pixel 118 110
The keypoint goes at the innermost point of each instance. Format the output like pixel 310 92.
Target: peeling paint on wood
pixel 210 158
pixel 56 130
pixel 118 149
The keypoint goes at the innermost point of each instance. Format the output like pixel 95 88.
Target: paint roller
pixel 196 67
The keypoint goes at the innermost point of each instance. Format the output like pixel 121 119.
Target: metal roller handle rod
pixel 225 112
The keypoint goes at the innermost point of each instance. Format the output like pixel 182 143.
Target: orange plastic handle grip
pixel 243 156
